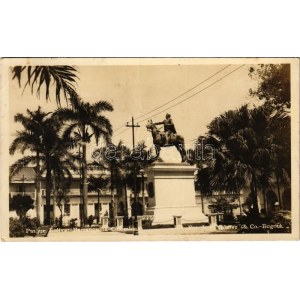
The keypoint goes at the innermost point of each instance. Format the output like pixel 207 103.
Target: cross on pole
pixel 132 125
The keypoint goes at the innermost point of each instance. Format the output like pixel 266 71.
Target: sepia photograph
pixel 149 149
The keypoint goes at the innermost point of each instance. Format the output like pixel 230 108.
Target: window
pixel 67 209
pixel 21 188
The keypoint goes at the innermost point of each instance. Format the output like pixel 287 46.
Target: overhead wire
pixel 170 101
pixel 192 94
pixel 218 80
pixel 121 132
pixel 119 127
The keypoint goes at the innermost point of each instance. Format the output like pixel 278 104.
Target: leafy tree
pixel 21 204
pixel 85 120
pixel 90 220
pixel 64 77
pixel 274 84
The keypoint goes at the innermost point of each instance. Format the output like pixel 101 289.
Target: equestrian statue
pixel 168 137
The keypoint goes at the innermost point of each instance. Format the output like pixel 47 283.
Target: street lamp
pixel 135 224
pixel 23 184
pixel 98 210
pixel 142 172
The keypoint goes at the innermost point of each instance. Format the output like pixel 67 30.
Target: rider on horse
pixel 169 127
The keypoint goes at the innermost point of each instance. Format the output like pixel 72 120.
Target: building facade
pixel 105 201
pixel 120 201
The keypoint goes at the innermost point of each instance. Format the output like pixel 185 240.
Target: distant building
pixel 116 203
pixel 24 182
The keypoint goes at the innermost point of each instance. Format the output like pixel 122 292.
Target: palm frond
pixel 21 163
pixel 102 106
pixel 64 77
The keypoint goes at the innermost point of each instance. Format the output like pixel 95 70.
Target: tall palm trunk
pixel 38 187
pixel 126 200
pixel 85 184
pixel 265 201
pixel 254 193
pixel 113 200
pixel 48 193
pixel 278 191
pixel 54 196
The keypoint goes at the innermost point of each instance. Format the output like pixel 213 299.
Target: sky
pixel 134 90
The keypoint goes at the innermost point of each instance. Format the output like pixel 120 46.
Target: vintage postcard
pixel 149 149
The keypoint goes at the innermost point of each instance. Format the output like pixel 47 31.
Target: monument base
pixel 165 215
pixel 171 192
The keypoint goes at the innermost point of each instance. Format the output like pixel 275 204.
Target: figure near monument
pixel 168 137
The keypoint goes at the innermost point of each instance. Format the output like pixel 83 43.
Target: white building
pixel 24 182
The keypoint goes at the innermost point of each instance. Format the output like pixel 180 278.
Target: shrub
pixel 90 220
pixel 29 223
pixel 73 222
pixel 283 218
pixel 16 228
pixel 21 204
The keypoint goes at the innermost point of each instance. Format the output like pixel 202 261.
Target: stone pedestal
pixel 139 223
pixel 177 222
pixel 104 222
pixel 214 218
pixel 171 192
pixel 119 222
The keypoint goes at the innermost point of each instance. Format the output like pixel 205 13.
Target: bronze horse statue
pixel 159 140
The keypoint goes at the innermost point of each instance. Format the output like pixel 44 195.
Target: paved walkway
pixel 167 234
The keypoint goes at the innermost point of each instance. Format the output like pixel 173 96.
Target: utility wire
pixel 192 94
pixel 120 127
pixel 187 97
pixel 121 132
pixel 149 112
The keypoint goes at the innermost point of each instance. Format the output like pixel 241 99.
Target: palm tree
pixel 97 184
pixel 281 158
pixel 244 143
pixel 113 158
pixel 83 118
pixel 62 76
pixel 139 159
pixel 61 165
pixel 50 148
pixel 61 162
pixel 30 139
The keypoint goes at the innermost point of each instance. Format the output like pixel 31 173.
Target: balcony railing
pixel 31 194
pixel 76 192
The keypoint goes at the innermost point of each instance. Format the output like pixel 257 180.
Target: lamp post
pixel 98 210
pixel 23 184
pixel 142 172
